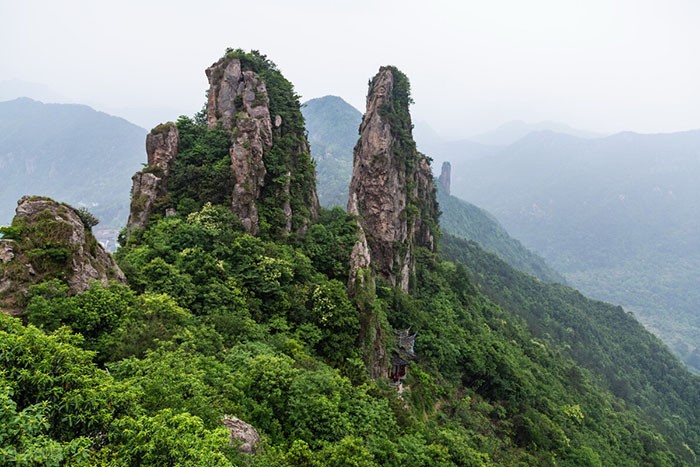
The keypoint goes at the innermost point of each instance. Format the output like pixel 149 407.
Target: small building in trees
pixel 403 354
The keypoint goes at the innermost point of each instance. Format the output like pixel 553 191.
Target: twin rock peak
pixel 391 191
pixel 270 163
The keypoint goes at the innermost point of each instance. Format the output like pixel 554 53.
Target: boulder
pixel 50 240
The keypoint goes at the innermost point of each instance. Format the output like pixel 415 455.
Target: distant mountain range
pixel 145 116
pixel 619 216
pixel 510 132
pixel 59 150
pixel 489 142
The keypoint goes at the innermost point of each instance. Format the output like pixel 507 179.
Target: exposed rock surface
pixel 162 145
pixel 392 188
pixel 272 177
pixel 284 182
pixel 238 101
pixel 50 240
pixel 360 257
pixel 6 250
pixel 243 432
pixel 144 191
pixel 445 177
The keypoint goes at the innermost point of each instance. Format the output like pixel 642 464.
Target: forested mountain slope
pixel 470 222
pixel 629 361
pixel 332 124
pixel 618 216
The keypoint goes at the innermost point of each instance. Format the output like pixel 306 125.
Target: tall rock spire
pixel 445 178
pixel 391 189
pixel 238 101
pixel 271 185
pixel 274 177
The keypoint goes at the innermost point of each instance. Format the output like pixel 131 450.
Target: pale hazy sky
pixel 601 65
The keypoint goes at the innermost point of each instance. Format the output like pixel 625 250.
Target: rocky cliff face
pixel 49 240
pixel 271 181
pixel 392 189
pixel 238 101
pixel 161 149
pixel 444 180
pixel 274 177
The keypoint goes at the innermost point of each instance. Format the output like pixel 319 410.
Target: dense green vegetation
pixel 46 148
pixel 201 171
pixel 618 216
pixel 632 363
pixel 217 322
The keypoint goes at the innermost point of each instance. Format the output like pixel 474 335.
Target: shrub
pixel 88 219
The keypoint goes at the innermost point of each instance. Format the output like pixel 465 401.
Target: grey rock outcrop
pixel 51 242
pixel 243 432
pixel 392 188
pixel 360 258
pixel 6 251
pixel 271 181
pixel 238 101
pixel 144 191
pixel 162 145
pixel 444 180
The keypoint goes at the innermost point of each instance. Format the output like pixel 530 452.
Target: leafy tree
pixel 24 439
pixel 166 438
pixel 87 218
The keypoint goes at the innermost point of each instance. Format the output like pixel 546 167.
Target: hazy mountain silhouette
pixel 69 152
pixel 619 216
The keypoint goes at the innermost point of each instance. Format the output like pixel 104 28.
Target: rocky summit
pixel 268 179
pixel 238 101
pixel 392 190
pixel 50 240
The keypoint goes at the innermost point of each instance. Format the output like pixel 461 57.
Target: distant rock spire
pixel 391 189
pixel 445 176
